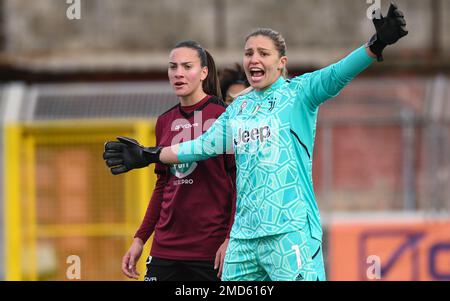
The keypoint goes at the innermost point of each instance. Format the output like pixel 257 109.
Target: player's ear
pixel 282 63
pixel 204 74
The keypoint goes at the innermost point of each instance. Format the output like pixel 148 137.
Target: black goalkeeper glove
pixel 389 29
pixel 128 154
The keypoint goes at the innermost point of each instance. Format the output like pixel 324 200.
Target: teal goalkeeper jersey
pixel 271 133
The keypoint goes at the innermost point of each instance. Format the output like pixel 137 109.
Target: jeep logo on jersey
pixel 255 134
pixel 183 170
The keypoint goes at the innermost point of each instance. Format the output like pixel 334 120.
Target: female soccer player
pixel 193 203
pixel 276 233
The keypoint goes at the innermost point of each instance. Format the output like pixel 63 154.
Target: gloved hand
pixel 128 154
pixel 389 29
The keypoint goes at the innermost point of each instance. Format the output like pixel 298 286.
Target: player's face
pixel 262 62
pixel 185 71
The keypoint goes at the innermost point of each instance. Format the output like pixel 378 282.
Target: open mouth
pixel 179 84
pixel 256 74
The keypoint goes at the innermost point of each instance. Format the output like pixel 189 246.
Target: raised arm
pixel 328 82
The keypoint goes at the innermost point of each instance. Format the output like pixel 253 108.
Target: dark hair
pixel 231 76
pixel 277 39
pixel 211 85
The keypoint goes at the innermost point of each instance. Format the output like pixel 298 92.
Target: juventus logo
pixel 272 105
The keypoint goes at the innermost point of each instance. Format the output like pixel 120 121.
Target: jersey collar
pixel 264 93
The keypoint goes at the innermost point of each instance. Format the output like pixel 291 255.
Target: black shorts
pixel 159 269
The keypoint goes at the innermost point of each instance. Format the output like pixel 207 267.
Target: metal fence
pixel 383 144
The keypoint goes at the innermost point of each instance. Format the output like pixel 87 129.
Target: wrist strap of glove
pixel 151 154
pixel 377 47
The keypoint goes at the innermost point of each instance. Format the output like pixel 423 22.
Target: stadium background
pixel 382 156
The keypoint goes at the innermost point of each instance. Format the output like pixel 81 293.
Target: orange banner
pixel 403 250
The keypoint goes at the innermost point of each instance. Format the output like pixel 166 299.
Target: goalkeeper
pixel 276 233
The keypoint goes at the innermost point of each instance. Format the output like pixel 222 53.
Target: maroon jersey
pixel 193 204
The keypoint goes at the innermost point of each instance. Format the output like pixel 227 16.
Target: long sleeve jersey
pixel 272 132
